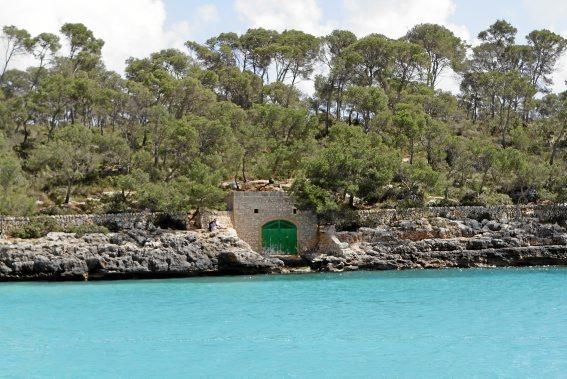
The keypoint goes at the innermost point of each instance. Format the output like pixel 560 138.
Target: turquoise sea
pixel 439 323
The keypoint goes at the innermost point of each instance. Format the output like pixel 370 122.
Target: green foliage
pixel 367 102
pixel 70 157
pixel 351 164
pixel 415 180
pixel 442 47
pixel 39 227
pixel 14 200
pixel 78 137
pixel 35 228
pixel 309 196
pixel 198 189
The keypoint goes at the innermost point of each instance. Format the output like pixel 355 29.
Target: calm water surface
pixel 442 323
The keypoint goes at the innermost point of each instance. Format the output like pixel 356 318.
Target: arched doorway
pixel 279 236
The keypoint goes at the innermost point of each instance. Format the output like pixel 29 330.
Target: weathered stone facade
pixel 252 210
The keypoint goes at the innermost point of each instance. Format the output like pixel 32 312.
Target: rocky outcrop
pixel 439 242
pixel 134 253
pixel 148 252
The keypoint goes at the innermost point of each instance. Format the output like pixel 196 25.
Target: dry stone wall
pixel 545 213
pixel 122 220
pixel 249 211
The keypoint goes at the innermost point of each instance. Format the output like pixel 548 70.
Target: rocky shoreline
pixel 439 242
pixel 130 254
pixel 434 242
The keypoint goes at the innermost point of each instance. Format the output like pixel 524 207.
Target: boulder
pixel 247 262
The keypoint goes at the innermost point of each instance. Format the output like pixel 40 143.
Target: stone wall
pixel 206 215
pixel 122 220
pixel 545 213
pixel 251 210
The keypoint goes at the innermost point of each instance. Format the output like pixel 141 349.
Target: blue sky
pixel 474 15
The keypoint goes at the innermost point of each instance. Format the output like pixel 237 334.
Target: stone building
pixel 270 223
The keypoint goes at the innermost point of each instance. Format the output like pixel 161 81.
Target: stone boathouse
pixel 270 223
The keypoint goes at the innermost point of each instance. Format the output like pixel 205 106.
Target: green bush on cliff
pixel 41 226
pixel 35 228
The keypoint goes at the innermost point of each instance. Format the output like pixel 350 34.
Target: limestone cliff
pixel 131 254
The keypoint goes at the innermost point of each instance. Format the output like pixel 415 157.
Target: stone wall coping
pixel 362 211
pixel 90 215
pixel 465 208
pixel 542 212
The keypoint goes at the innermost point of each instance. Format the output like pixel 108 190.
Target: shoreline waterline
pixel 119 277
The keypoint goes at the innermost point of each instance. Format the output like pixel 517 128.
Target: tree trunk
pixel 26 135
pixel 68 192
pixel 327 117
pixel 556 146
pixel 411 151
pixel 429 153
pixel 244 169
pixel 483 180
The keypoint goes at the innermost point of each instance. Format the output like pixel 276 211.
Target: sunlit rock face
pixel 439 242
pixel 130 254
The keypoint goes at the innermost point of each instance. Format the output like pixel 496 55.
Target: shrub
pixel 494 198
pixel 470 198
pixel 36 228
pixel 56 211
pixel 41 226
pixel 411 202
pixel 112 226
pixel 115 203
pixel 347 219
pixel 444 203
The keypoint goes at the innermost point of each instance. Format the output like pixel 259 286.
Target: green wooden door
pixel 279 236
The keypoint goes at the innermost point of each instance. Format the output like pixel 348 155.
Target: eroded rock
pixel 440 243
pixel 132 254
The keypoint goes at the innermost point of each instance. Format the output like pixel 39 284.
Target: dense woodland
pixel 377 131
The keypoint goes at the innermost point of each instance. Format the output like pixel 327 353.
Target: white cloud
pixel 550 13
pixel 305 15
pixel 128 27
pixel 560 74
pixel 389 17
pixel 394 18
pixel 208 13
